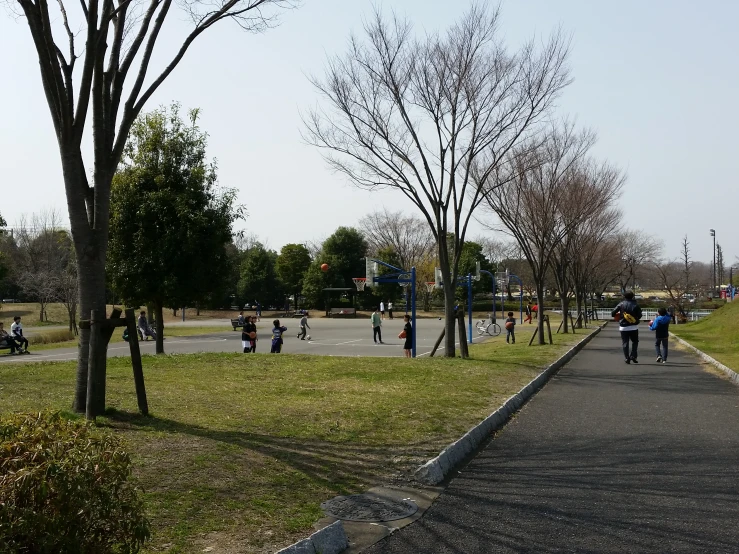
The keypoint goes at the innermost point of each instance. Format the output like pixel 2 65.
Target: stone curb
pixel 435 470
pixel 731 374
pixel 329 540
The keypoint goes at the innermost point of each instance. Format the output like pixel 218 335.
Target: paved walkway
pixel 608 457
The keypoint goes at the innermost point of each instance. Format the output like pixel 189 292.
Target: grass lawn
pixel 239 451
pixel 717 335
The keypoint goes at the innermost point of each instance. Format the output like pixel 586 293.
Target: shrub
pixel 49 337
pixel 64 489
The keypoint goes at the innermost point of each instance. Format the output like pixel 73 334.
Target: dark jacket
pixel 627 307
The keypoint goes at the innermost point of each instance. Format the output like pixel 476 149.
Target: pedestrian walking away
pixel 628 313
pixel 661 326
pixel 407 334
pixel 510 328
pixel 376 323
pixel 303 327
pixel 277 332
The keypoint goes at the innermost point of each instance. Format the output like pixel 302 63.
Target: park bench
pixel 235 323
pixel 343 312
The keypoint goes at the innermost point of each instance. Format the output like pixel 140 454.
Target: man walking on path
pixel 629 314
pixel 376 324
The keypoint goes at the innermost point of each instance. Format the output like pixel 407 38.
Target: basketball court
pixel 329 337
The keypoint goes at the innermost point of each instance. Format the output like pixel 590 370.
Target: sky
pixel 658 81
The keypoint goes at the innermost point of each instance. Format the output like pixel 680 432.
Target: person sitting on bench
pixel 145 328
pixel 7 339
pixel 16 330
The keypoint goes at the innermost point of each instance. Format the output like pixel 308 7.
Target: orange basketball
pixel 402 335
pixel 509 325
pixel 252 335
pixel 324 267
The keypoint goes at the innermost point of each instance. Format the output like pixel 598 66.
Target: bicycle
pixel 488 326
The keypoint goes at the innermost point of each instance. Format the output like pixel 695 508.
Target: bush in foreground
pixel 64 489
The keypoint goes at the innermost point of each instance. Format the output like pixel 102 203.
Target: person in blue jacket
pixel 661 325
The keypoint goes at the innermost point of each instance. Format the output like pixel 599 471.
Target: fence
pixel 650 313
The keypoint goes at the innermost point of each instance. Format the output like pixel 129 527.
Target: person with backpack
pixel 661 326
pixel 629 314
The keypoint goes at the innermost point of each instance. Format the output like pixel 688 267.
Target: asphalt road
pixel 329 337
pixel 608 457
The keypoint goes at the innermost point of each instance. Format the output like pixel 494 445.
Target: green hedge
pixel 64 489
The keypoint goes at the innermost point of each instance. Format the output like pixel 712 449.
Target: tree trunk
pixel 540 312
pixel 565 303
pixel 92 297
pixel 174 312
pixel 449 299
pixel 160 327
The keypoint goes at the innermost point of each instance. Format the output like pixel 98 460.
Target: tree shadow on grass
pixel 327 463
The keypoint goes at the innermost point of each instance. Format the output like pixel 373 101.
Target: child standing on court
pixel 407 334
pixel 277 333
pixel 249 335
pixel 661 325
pixel 510 327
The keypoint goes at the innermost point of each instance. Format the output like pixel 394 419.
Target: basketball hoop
pixel 404 285
pixel 360 282
pixel 430 285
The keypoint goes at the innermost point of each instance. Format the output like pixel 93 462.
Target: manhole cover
pixel 367 507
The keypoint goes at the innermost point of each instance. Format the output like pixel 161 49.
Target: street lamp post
pixel 713 288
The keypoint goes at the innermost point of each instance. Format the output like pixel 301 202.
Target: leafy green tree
pixel 258 280
pixel 292 264
pixel 344 252
pixel 472 252
pixel 169 226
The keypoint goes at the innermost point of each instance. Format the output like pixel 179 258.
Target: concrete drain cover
pixel 367 507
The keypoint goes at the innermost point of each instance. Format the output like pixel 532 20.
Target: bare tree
pixel 496 251
pixel 424 116
pixel 637 250
pixel 408 236
pixel 109 42
pixel 687 263
pixel 593 265
pixel 588 198
pixel 45 253
pixel 604 267
pixel 671 276
pixel 542 180
pixel 67 294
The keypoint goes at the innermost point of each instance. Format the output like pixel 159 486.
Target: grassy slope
pixel 717 335
pixel 241 449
